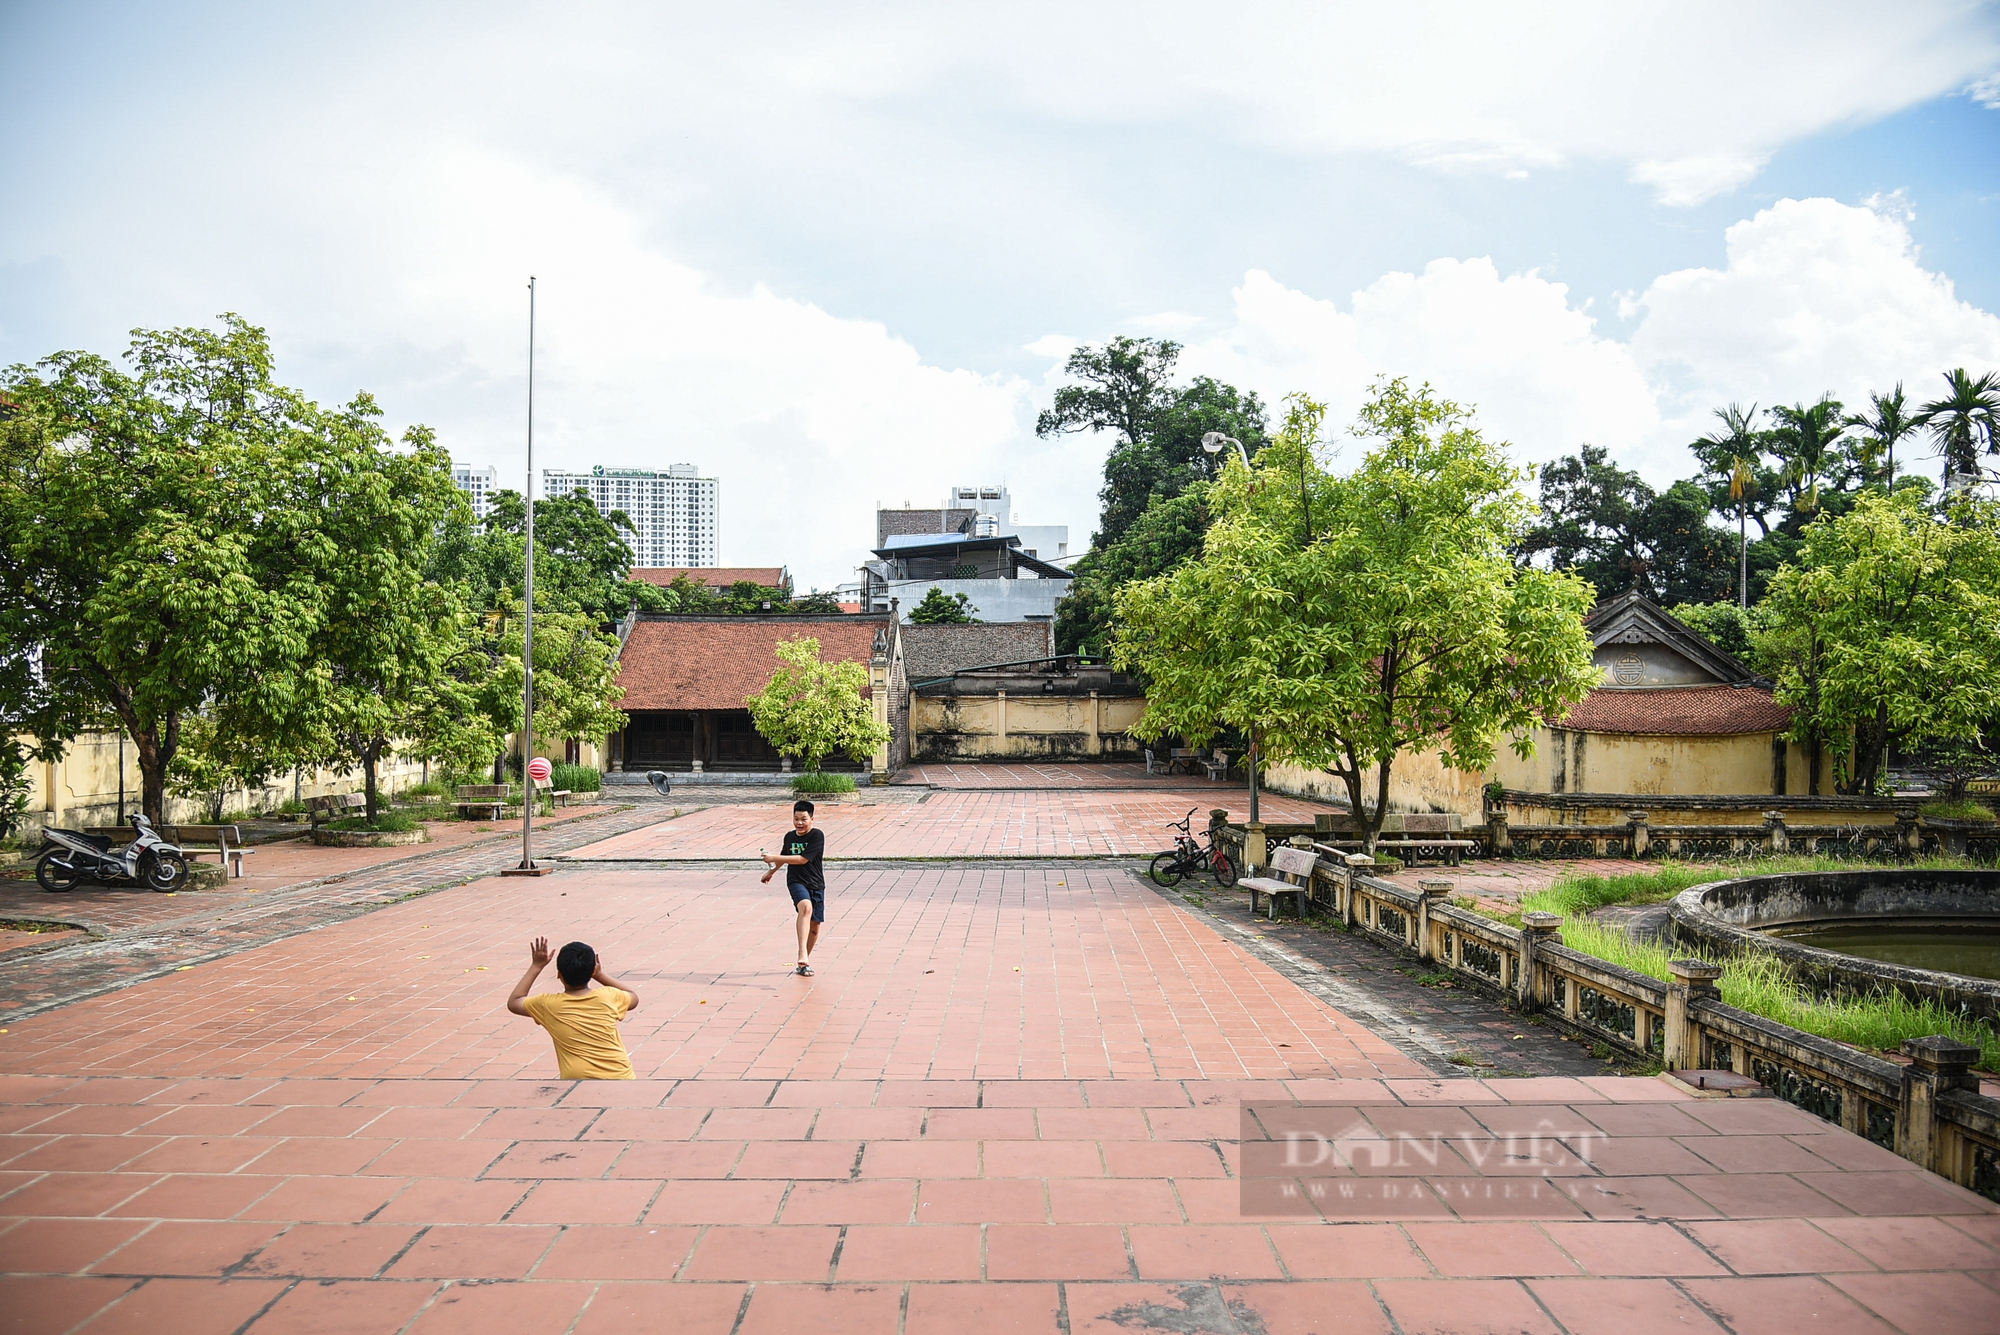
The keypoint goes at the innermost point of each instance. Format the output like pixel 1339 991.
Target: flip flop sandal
pixel 805 970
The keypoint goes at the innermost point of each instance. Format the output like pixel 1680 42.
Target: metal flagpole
pixel 528 867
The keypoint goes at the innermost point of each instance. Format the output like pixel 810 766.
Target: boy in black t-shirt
pixel 800 856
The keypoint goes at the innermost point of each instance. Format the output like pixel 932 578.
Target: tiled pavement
pixel 343 1131
pixel 963 824
pixel 142 935
pixel 1110 774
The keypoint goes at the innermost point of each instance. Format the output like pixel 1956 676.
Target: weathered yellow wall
pixel 82 787
pixel 1585 763
pixel 987 727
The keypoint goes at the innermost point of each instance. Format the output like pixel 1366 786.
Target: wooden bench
pixel 1218 767
pixel 332 806
pixel 481 801
pixel 546 788
pixel 225 842
pixel 1296 866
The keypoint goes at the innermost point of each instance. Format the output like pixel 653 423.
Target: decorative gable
pixel 1639 645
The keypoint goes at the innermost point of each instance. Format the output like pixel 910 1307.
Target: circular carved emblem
pixel 1629 669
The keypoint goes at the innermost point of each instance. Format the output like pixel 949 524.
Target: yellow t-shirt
pixel 585 1031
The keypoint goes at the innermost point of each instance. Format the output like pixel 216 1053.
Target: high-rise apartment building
pixel 673 512
pixel 479 484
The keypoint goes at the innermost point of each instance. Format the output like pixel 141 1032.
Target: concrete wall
pixel 1022 727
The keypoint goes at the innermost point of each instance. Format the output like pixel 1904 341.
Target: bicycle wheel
pixel 56 877
pixel 1224 869
pixel 1166 869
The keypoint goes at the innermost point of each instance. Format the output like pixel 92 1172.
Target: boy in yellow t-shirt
pixel 582 1021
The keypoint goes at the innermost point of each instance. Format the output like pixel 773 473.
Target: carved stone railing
pixel 1929 1111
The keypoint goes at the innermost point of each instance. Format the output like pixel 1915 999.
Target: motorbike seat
pixel 102 842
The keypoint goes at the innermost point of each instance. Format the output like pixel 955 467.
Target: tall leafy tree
pixel 576 672
pixel 1403 624
pixel 160 541
pixel 1605 523
pixel 1965 421
pixel 1127 388
pixel 1886 634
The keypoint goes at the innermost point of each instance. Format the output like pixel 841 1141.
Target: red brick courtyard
pixel 1012 1099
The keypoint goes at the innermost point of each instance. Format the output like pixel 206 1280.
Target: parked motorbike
pixel 70 857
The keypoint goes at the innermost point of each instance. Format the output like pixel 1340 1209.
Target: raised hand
pixel 538 952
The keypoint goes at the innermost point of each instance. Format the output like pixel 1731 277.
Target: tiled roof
pixel 713 662
pixel 712 577
pixel 1687 711
pixel 939 651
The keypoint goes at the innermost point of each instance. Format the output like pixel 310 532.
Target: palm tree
pixel 1805 440
pixel 1962 420
pixel 1891 420
pixel 1738 445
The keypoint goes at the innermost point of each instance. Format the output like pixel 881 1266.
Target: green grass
pixel 1574 895
pixel 386 822
pixel 823 783
pixel 435 788
pixel 1763 986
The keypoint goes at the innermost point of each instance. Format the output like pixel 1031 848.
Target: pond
pixel 1962 947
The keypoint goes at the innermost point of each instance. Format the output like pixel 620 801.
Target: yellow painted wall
pixel 997 727
pixel 1586 762
pixel 82 787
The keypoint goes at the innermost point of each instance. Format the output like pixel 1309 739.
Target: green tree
pixel 1403 624
pixel 941 609
pixel 160 541
pixel 1966 418
pixel 1156 456
pixel 576 673
pixel 1167 534
pixel 582 556
pixel 1605 523
pixel 1806 440
pixel 1737 479
pixel 811 709
pixel 1889 419
pixel 1886 634
pixel 1730 627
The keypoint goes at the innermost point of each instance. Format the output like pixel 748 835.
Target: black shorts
pixel 800 894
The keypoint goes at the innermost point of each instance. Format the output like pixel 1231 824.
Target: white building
pixel 674 512
pixel 1010 571
pixel 479 484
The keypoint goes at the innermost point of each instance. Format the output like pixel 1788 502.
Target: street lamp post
pixel 1213 442
pixel 528 867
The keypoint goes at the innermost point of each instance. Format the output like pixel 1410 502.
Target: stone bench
pixel 1295 865
pixel 224 842
pixel 546 788
pixel 333 806
pixel 481 801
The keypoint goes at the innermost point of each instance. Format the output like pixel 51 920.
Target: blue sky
pixel 837 256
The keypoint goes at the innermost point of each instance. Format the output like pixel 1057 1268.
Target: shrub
pixel 1966 810
pixel 823 783
pixel 576 778
pixel 435 788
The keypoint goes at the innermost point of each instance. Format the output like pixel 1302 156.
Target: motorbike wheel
pixel 57 877
pixel 1224 869
pixel 163 871
pixel 1166 869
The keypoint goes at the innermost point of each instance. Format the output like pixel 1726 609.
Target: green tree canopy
pixel 1605 523
pixel 1127 388
pixel 811 709
pixel 1401 624
pixel 1886 634
pixel 162 542
pixel 1965 421
pixel 941 609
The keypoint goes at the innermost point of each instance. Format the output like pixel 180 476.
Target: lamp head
pixel 1213 442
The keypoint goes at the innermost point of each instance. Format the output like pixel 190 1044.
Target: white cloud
pixel 1986 92
pixel 1814 296
pixel 1683 182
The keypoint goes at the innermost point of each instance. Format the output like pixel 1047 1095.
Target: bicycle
pixel 1190 856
